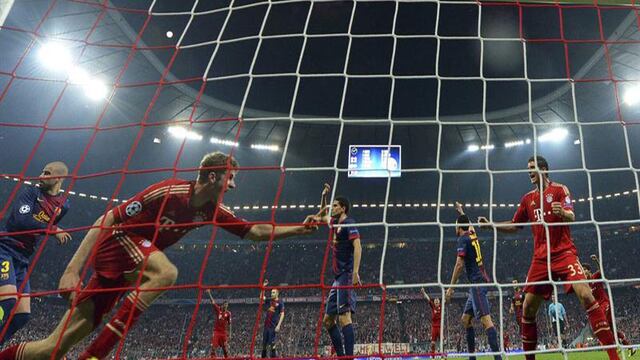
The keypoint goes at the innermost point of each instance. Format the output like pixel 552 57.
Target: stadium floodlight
pixel 473 148
pixel 265 147
pixel 215 140
pixel 511 144
pixel 487 147
pixel 95 89
pixel 55 56
pixel 169 34
pixel 576 142
pixel 183 133
pixel 632 95
pixel 555 135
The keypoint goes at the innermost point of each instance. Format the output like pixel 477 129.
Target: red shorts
pixel 219 340
pixel 606 307
pixel 118 255
pixel 435 333
pixel 564 267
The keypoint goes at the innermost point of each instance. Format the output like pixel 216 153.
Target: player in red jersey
pixel 553 205
pixel 602 297
pixel 221 326
pixel 516 304
pixel 130 239
pixel 436 317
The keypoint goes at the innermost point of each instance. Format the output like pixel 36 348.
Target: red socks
pixel 601 328
pixel 13 353
pixel 114 330
pixel 529 334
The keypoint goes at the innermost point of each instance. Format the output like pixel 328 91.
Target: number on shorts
pixel 5 267
pixel 575 269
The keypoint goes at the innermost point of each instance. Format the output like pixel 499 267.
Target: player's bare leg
pixel 597 318
pixel 529 332
pixel 159 272
pixel 21 315
pixel 79 326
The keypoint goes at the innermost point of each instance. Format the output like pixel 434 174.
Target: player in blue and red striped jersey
pixel 550 203
pixel 35 208
pixel 470 259
pixel 273 319
pixel 127 237
pixel 347 252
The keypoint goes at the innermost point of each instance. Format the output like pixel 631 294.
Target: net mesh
pixel 464 86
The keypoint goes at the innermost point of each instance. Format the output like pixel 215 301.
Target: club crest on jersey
pixel 567 200
pixel 24 209
pixel 133 209
pixel 145 243
pixel 549 198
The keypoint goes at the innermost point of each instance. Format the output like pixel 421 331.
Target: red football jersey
pixel 436 313
pixel 143 210
pixel 529 211
pixel 598 289
pixel 517 301
pixel 223 319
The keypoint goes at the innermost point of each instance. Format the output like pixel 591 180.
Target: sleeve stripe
pixel 164 188
pixel 162 194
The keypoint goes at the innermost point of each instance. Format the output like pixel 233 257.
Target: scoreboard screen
pixel 374 161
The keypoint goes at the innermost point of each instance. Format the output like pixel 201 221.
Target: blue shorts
pixel 341 301
pixel 13 269
pixel 268 336
pixel 477 303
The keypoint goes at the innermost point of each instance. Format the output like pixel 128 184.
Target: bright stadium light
pixel 182 133
pixel 632 95
pixel 473 148
pixel 95 89
pixel 169 34
pixel 215 140
pixel 55 56
pixel 528 141
pixel 487 147
pixel 511 144
pixel 265 147
pixel 555 135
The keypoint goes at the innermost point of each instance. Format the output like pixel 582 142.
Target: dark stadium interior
pixel 312 79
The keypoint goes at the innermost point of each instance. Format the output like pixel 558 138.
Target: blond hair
pixel 217 162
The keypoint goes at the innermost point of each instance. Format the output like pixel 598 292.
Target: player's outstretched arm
pixel 503 226
pixel 263 232
pixel 71 276
pixel 324 202
pixel 424 293
pixel 213 301
pixel 595 259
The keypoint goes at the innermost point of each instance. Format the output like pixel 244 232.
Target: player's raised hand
pixel 484 223
pixel 556 208
pixel 594 257
pixel 449 294
pixel 265 282
pixel 69 281
pixel 459 208
pixel 311 223
pixel 325 189
pixel 63 237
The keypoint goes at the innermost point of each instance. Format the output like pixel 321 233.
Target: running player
pixel 272 322
pixel 221 327
pixel 550 202
pixel 347 251
pixel 602 297
pixel 35 208
pixel 516 304
pixel 470 259
pixel 436 317
pixel 128 242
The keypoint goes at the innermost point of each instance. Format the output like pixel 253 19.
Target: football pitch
pixel 588 355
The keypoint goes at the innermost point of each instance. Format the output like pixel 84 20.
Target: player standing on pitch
pixel 35 208
pixel 272 322
pixel 347 252
pixel 436 318
pixel 549 203
pixel 124 238
pixel 516 305
pixel 470 259
pixel 221 327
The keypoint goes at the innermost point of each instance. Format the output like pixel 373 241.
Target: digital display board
pixel 374 161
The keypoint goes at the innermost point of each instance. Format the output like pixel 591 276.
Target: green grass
pixel 589 355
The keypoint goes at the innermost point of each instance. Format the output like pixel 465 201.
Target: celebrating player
pixel 551 203
pixel 221 327
pixel 516 304
pixel 470 259
pixel 602 297
pixel 436 317
pixel 347 251
pixel 128 242
pixel 35 208
pixel 272 322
